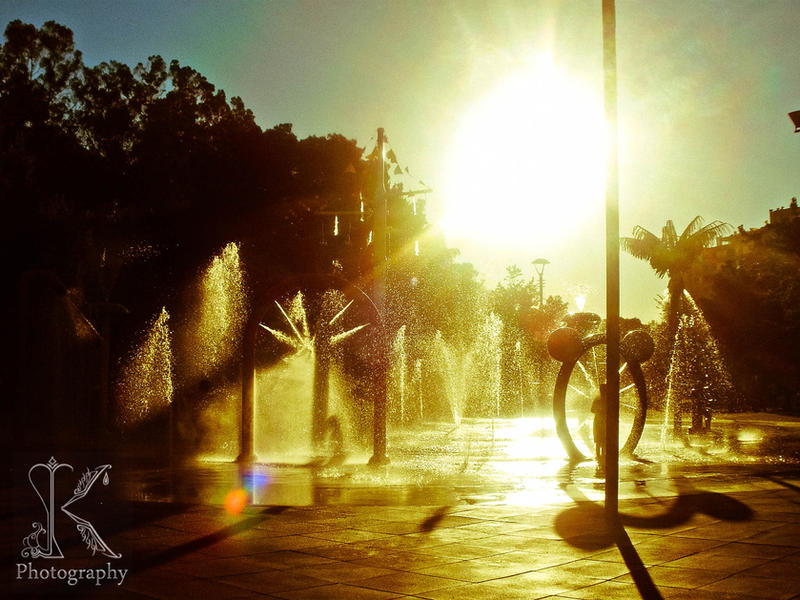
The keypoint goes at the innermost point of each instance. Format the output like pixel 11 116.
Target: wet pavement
pixel 487 510
pixel 511 461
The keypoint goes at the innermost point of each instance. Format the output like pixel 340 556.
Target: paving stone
pixel 711 561
pixel 404 561
pixel 473 571
pixel 342 572
pixel 336 592
pixel 460 551
pixel 748 550
pixel 408 583
pixel 347 535
pixel 782 568
pixel 166 585
pixel 729 531
pixel 269 582
pixel 680 578
pixel 590 568
pixel 608 590
pixel 219 567
pixel 760 587
pixel 786 535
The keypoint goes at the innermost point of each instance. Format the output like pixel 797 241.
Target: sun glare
pixel 527 161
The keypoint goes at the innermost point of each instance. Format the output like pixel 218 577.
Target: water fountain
pixel 217 315
pixel 144 390
pixel 315 338
pixel 467 375
pixel 417 387
pixel 696 371
pixel 396 388
pixel 456 405
pixel 145 387
pixel 315 347
pixel 449 405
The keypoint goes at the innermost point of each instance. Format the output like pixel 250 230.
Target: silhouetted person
pixel 599 428
pixel 701 412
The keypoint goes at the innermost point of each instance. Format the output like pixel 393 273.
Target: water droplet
pixel 105 479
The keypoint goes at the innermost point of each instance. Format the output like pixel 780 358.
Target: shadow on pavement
pixel 433 521
pixel 205 541
pixel 585 525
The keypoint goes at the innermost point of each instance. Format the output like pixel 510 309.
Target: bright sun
pixel 527 161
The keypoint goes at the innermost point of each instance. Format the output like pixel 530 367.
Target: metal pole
pixel 246 452
pixel 612 263
pixel 379 241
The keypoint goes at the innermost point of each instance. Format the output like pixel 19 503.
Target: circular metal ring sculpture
pixel 578 383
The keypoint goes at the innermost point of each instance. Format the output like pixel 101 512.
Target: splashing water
pixel 714 361
pixel 340 337
pixel 486 357
pixel 454 369
pixel 296 318
pixel 302 392
pixel 668 400
pixel 221 314
pixel 146 385
pixel 397 375
pixel 518 360
pixel 469 374
pixel 416 385
pixel 696 367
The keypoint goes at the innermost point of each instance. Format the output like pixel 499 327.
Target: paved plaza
pixel 705 531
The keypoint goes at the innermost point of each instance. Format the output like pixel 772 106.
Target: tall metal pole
pixel 612 262
pixel 246 452
pixel 379 292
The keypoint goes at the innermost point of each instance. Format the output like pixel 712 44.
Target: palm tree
pixel 673 255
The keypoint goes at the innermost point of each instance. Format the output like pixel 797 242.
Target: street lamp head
pixel 795 117
pixel 539 265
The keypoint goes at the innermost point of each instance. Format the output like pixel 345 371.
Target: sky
pixel 496 107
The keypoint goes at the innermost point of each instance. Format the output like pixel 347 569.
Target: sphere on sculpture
pixel 565 344
pixel 637 346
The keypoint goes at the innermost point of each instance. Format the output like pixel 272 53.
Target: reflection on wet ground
pixel 514 461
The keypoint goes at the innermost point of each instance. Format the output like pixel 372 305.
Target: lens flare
pixel 235 501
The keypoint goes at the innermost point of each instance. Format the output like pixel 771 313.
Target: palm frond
pixel 669 236
pixel 707 235
pixel 719 229
pixel 692 227
pixel 672 254
pixel 640 233
pixel 641 245
pixel 646 247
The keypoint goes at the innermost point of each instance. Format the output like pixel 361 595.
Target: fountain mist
pixel 145 386
pixel 221 314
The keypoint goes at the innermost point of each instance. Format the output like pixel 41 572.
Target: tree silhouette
pixel 118 183
pixel 673 255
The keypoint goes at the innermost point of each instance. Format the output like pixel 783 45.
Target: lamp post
pixel 379 294
pixel 539 264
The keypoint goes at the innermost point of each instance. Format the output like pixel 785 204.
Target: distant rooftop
pixel 784 215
